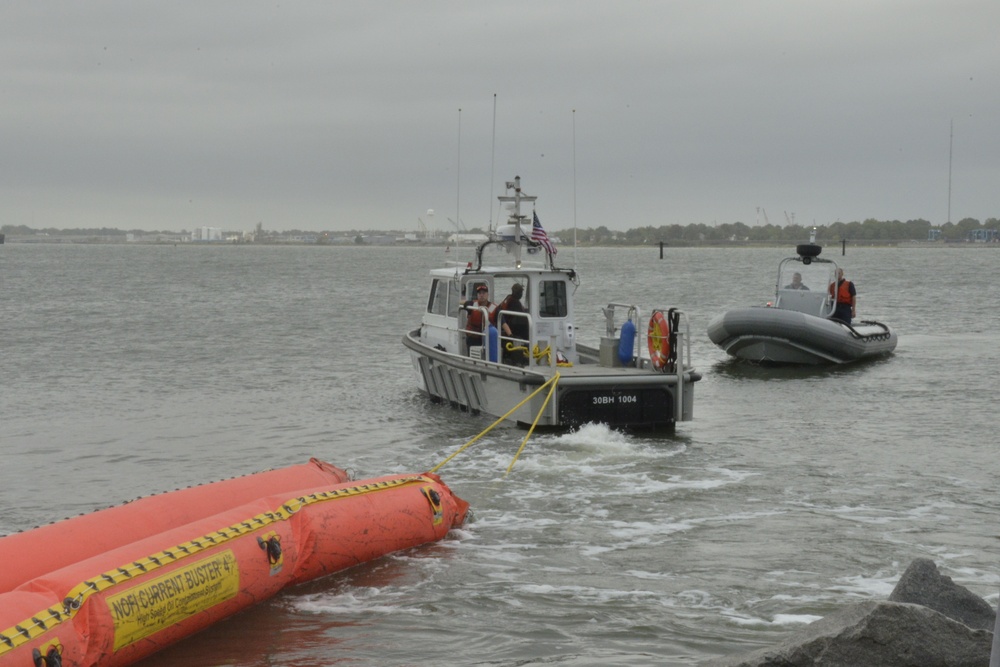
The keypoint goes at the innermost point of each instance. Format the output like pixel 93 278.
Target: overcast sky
pixel 345 115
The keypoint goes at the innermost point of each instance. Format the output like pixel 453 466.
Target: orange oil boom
pixel 137 584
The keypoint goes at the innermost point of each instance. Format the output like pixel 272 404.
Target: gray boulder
pixel 929 621
pixel 923 584
pixel 875 634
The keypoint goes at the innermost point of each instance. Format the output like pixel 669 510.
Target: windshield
pixel 804 287
pixel 796 275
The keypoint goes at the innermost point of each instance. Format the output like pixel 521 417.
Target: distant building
pixel 207 234
pixel 467 239
pixel 983 235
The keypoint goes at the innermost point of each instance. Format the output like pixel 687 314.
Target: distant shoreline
pixel 75 240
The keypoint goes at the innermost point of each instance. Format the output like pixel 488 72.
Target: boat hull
pixel 116 607
pixel 621 398
pixel 776 336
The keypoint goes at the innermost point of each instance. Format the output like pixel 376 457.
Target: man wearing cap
pixel 475 325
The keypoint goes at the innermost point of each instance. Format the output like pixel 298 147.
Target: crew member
pixel 514 326
pixel 845 293
pixel 475 324
pixel 796 282
pixel 516 292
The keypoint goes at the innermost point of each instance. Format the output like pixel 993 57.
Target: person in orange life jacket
pixel 846 297
pixel 475 326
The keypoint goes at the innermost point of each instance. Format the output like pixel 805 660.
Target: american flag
pixel 538 235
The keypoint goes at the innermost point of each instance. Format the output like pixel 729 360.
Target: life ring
pixel 658 340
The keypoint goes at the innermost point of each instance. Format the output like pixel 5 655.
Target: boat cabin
pixel 486 359
pixel 546 319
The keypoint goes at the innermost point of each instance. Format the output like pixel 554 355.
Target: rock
pixel 875 634
pixel 922 584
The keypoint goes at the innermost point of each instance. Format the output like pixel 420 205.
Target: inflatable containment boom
pixel 129 580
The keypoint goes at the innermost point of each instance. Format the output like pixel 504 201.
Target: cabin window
pixel 552 298
pixel 438 302
pixel 454 299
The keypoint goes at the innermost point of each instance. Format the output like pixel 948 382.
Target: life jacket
pixel 500 306
pixel 843 292
pixel 474 322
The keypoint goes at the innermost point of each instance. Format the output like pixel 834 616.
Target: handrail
pixel 502 338
pixel 609 314
pixel 485 323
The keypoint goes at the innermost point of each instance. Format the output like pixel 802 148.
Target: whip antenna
pixel 574 187
pixel 493 157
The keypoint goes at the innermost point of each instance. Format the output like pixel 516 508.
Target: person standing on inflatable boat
pixel 475 325
pixel 846 296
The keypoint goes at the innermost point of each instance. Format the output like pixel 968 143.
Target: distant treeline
pixel 869 230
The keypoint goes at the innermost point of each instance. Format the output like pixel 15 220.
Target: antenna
pixel 493 159
pixel 574 187
pixel 951 141
pixel 458 170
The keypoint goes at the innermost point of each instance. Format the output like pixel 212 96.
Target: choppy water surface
pixel 135 369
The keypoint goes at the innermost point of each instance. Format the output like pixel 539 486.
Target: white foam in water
pixel 590 595
pixel 878 586
pixel 356 601
pixel 599 438
pixel 776 620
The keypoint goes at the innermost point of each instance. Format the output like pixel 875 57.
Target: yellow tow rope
pixel 553 381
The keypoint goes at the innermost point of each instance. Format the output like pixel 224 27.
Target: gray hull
pixel 587 392
pixel 774 335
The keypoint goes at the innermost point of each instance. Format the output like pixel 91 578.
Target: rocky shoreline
pixel 928 621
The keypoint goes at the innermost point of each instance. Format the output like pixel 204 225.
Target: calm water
pixel 131 370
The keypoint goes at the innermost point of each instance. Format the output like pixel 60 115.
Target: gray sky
pixel 345 115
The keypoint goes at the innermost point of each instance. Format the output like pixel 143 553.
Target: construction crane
pixel 460 226
pixel 790 220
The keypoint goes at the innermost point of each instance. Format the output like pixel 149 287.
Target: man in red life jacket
pixel 846 297
pixel 513 326
pixel 475 325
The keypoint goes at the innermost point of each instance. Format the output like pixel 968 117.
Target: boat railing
pixel 632 313
pixel 514 341
pixel 483 333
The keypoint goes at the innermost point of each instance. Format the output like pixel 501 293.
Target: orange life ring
pixel 658 340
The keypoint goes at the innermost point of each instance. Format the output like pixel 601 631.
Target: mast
pixel 516 218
